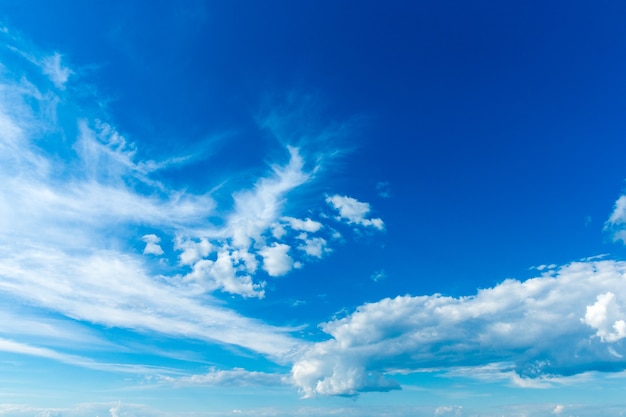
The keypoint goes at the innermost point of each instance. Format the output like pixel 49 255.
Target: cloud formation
pixel 616 224
pixel 565 322
pixel 228 378
pixel 354 211
pixel 152 245
pixel 77 201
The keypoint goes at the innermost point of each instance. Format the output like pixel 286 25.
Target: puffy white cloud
pixel 565 322
pixel 354 211
pixel 192 251
pixel 152 245
pixel 276 259
pixel 315 246
pixel 222 274
pixel 606 316
pixel 306 225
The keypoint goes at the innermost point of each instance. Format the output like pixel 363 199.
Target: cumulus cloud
pixel 565 322
pixel 152 245
pixel 69 206
pixel 315 247
pixel 276 259
pixel 223 274
pixel 606 316
pixel 354 211
pixel 306 225
pixel 192 251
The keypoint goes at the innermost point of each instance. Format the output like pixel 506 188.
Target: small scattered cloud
pixel 152 245
pixel 558 409
pixel 384 189
pixel 354 211
pixel 315 247
pixel 276 259
pixel 115 411
pixel 379 275
pixel 306 225
pixel 544 267
pixel 449 410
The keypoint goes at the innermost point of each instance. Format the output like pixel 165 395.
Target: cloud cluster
pixel 566 322
pixel 76 202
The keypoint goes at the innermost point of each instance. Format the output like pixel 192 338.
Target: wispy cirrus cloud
pixel 227 378
pixel 76 201
pixel 11 346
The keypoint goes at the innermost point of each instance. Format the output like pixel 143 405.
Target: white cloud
pixel 561 323
pixel 276 259
pixel 96 288
pixel 227 378
pixel 354 211
pixel 606 316
pixel 616 224
pixel 52 67
pixel 222 274
pixel 558 409
pixel 192 251
pixel 306 225
pixel 7 345
pixel 115 411
pixel 152 245
pixel 257 209
pixel 315 247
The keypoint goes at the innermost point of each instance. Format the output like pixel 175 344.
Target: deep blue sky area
pixel 296 208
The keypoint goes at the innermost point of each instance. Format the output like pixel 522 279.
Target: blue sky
pixel 281 208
